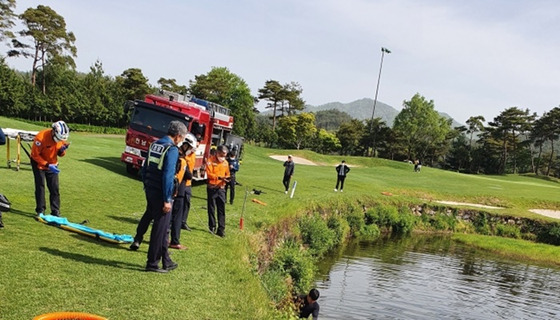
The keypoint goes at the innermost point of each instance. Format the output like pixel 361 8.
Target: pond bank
pixel 288 250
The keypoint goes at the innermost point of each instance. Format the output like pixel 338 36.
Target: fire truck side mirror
pixel 128 105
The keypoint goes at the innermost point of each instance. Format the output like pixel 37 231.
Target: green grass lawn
pixel 46 269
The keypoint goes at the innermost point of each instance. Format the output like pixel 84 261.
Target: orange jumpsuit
pixel 45 150
pixel 181 203
pixel 191 158
pixel 215 170
pixel 216 173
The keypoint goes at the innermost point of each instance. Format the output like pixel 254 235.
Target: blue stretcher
pixel 81 229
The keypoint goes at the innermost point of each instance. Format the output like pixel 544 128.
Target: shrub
pixel 463 227
pixel 508 231
pixel 369 231
pixel 274 281
pixel 390 216
pixel 405 223
pixel 356 222
pixel 291 261
pixel 529 236
pixel 550 234
pixel 316 234
pixel 385 216
pixel 439 222
pixel 481 225
pixel 371 216
pixel 399 221
pixel 340 228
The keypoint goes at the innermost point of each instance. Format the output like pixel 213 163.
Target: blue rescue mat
pixel 81 229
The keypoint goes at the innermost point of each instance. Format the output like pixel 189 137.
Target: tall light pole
pixel 383 51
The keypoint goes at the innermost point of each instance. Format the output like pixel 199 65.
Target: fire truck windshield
pixel 153 122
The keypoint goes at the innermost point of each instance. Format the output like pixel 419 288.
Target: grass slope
pixel 46 269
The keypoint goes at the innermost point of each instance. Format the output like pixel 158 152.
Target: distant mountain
pixel 454 124
pixel 360 109
pixel 363 108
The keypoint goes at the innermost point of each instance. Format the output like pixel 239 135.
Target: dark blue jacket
pixel 158 172
pixel 289 170
pixel 234 165
pixel 2 137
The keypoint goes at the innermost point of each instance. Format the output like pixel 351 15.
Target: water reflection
pixel 432 277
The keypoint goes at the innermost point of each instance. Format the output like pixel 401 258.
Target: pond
pixel 432 277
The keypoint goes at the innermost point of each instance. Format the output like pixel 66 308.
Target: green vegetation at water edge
pixel 520 250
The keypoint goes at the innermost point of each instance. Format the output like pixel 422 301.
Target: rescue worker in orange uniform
pixel 217 172
pixel 48 145
pixel 191 159
pixel 184 175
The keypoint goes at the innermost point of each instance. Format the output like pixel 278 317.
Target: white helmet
pixel 60 130
pixel 190 140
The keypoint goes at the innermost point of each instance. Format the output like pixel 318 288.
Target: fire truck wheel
pixel 131 169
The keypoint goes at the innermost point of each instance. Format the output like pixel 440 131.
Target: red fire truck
pixel 209 122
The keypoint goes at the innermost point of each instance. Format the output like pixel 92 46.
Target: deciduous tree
pixel 326 142
pixel 12 92
pixel 421 129
pixel 105 101
pixel 286 131
pixel 374 135
pixel 223 87
pixel 349 134
pixel 305 129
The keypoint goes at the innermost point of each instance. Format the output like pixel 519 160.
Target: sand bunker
pixel 546 212
pixel 296 160
pixel 468 204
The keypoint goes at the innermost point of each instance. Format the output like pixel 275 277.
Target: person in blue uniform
pixel 158 175
pixel 233 168
pixel 2 141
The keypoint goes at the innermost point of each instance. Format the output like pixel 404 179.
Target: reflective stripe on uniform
pixel 158 149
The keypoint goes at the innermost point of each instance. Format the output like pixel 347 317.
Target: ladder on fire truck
pixel 217 110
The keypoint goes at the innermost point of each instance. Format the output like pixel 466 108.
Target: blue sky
pixel 470 57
